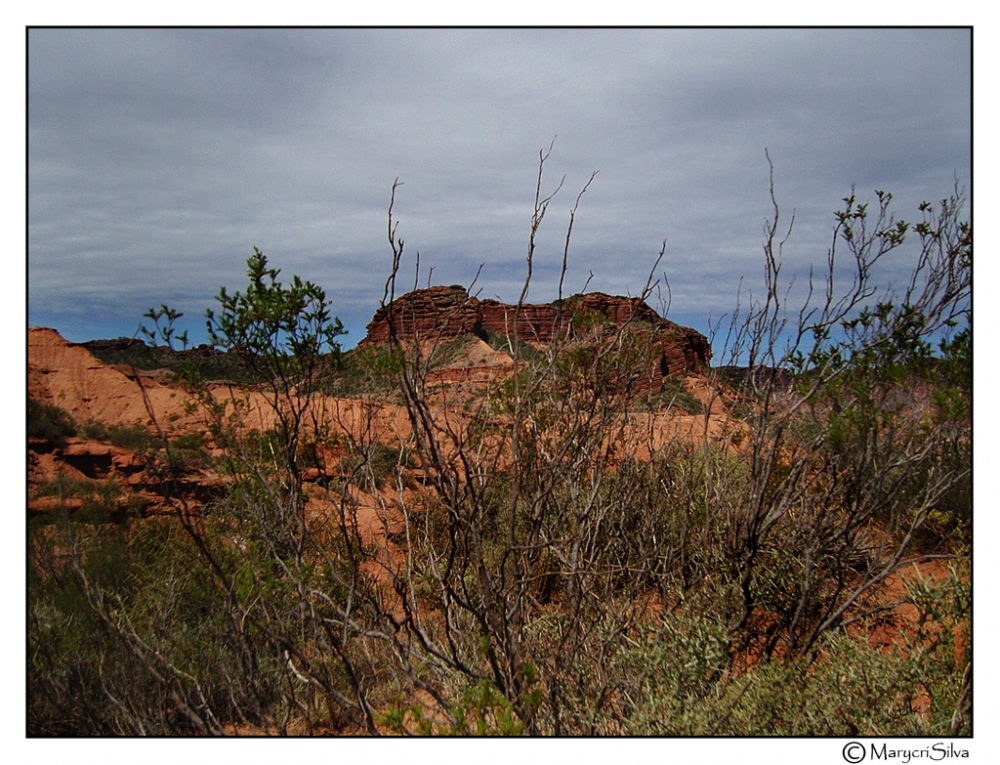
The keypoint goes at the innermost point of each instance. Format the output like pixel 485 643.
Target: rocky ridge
pixel 440 315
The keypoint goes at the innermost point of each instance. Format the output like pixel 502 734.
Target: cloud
pixel 159 158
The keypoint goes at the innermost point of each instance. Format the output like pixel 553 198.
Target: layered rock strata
pixel 444 314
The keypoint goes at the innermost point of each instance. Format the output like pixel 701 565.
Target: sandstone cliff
pixel 444 314
pixel 69 376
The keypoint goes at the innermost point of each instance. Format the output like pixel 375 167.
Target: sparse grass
pixel 134 437
pixel 523 351
pixel 362 371
pixel 64 486
pixel 101 501
pixel 673 395
pixel 376 464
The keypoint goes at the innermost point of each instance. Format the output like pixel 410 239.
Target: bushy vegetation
pixel 564 565
pixel 49 422
pixel 363 371
pixel 134 437
pixel 100 501
pixel 137 354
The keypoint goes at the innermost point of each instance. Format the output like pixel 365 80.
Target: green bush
pixel 101 501
pixel 49 423
pixel 674 395
pixel 134 437
pixel 362 371
pixel 133 637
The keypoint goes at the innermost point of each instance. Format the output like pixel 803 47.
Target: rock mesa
pixel 444 314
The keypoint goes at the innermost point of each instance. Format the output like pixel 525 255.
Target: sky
pixel 159 158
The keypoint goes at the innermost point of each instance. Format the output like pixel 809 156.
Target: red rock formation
pixel 443 314
pixel 535 323
pixel 439 314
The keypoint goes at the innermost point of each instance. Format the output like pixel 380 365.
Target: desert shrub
pixel 187 453
pixel 481 710
pixel 678 677
pixel 277 564
pixel 135 437
pixel 362 371
pixel 202 362
pixel 49 422
pixel 132 636
pixel 673 394
pixel 504 344
pixel 190 441
pixel 385 460
pixel 102 501
pixel 95 431
pixel 546 533
pixel 62 485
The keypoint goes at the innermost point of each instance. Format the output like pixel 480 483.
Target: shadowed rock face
pixel 443 314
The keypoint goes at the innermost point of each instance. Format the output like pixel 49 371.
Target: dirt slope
pixel 67 375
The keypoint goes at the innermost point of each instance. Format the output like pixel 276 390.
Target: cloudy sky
pixel 157 159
